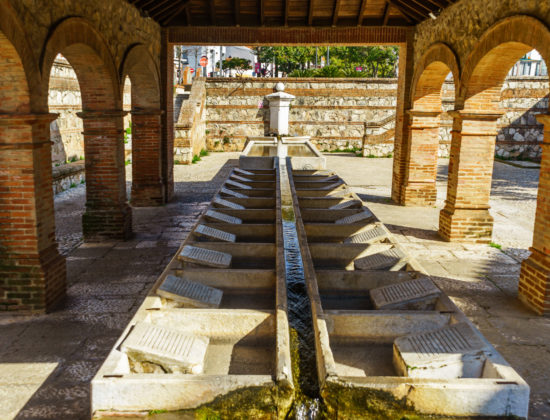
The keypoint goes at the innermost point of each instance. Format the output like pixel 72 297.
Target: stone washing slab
pixel 202 256
pixel 345 205
pixel 171 349
pixel 452 352
pixel 228 204
pixel 354 218
pixel 221 217
pixel 189 293
pixel 367 236
pixel 332 186
pixel 238 185
pixel 240 178
pixel 413 294
pixel 242 172
pixel 213 233
pixel 391 259
pixel 232 193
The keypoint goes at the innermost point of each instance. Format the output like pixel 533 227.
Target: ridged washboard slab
pixel 332 186
pixel 367 236
pixel 213 233
pixel 354 218
pixel 240 178
pixel 391 259
pixel 232 193
pixel 404 295
pixel 171 349
pixel 221 217
pixel 242 172
pixel 229 204
pixel 189 293
pixel 345 205
pixel 203 256
pixel 237 185
pixel 455 351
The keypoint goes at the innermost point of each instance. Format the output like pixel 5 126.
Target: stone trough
pixel 388 340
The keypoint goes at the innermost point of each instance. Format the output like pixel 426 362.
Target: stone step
pixel 228 204
pixel 190 293
pixel 221 217
pixel 367 236
pixel 332 186
pixel 202 256
pixel 232 193
pixel 354 218
pixel 171 349
pixel 455 351
pixel 345 205
pixel 415 294
pixel 213 233
pixel 242 172
pixel 240 178
pixel 392 259
pixel 238 185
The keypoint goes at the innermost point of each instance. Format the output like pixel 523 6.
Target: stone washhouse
pixel 218 333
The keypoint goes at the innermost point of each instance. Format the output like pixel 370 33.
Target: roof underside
pixel 290 13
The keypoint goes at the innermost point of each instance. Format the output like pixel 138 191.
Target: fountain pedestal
pixel 279 107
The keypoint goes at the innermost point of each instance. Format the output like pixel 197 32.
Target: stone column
pixel 421 166
pixel 167 105
pixel 400 148
pixel 534 279
pixel 279 108
pixel 108 215
pixel 465 217
pixel 147 185
pixel 32 273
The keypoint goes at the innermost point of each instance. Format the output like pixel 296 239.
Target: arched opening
pixel 476 127
pixel 143 102
pixel 107 212
pixel 421 164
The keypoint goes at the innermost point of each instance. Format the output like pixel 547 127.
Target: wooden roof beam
pixel 361 12
pixel 212 8
pixel 310 12
pixel 159 4
pixel 286 11
pixel 439 3
pixel 237 12
pixel 386 14
pixel 421 5
pixel 182 6
pixel 262 13
pixel 409 10
pixel 335 12
pixel 407 17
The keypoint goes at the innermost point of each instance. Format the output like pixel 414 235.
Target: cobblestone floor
pixel 47 362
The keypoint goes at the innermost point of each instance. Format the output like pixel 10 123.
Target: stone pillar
pixel 534 279
pixel 147 185
pixel 279 108
pixel 32 273
pixel 400 148
pixel 108 215
pixel 420 174
pixel 465 217
pixel 167 104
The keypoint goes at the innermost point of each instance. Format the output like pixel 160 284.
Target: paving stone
pixel 392 259
pixel 412 294
pixel 240 178
pixel 452 352
pixel 221 217
pixel 228 204
pixel 190 293
pixel 367 236
pixel 238 185
pixel 232 193
pixel 206 257
pixel 354 218
pixel 173 350
pixel 213 233
pixel 345 205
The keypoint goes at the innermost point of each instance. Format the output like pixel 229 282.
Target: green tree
pixel 240 65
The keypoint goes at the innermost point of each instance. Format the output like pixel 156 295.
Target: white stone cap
pixel 280 96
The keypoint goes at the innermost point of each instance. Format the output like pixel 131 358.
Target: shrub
pixel 73 185
pixel 328 71
pixel 302 73
pixel 196 158
pixel 351 72
pixel 204 152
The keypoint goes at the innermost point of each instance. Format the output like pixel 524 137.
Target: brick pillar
pixel 147 185
pixel 167 103
pixel 108 215
pixel 421 167
pixel 32 273
pixel 400 149
pixel 465 217
pixel 534 279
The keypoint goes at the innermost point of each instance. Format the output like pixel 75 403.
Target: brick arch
pixel 500 47
pixel 142 70
pixel 87 52
pixel 430 74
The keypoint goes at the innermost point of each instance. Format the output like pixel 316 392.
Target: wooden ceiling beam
pixel 159 4
pixel 386 14
pixel 406 5
pixel 439 3
pixel 361 12
pixel 310 12
pixel 335 12
pixel 407 17
pixel 181 7
pixel 165 10
pixel 421 5
pixel 262 13
pixel 286 11
pixel 237 12
pixel 212 8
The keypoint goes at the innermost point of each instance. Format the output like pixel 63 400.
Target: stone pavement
pixel 47 362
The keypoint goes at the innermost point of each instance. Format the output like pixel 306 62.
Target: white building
pixel 191 56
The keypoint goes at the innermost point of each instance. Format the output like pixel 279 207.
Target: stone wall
pixel 191 125
pixel 334 113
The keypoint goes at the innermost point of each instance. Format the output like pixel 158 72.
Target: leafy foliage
pixel 240 65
